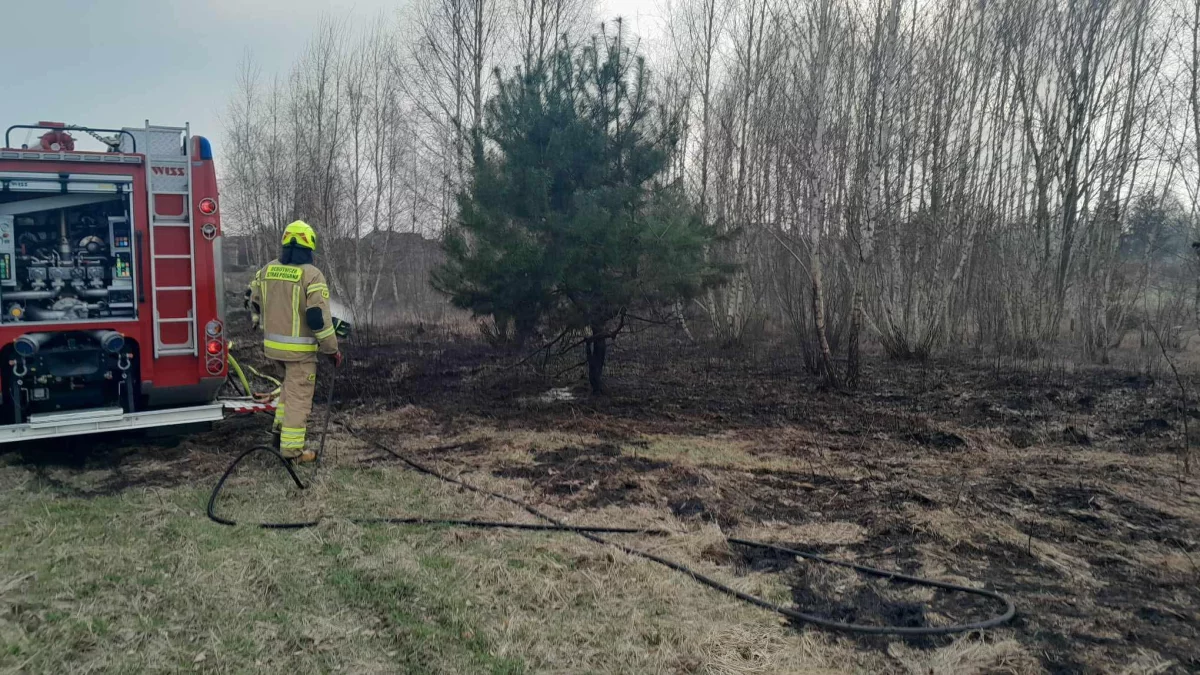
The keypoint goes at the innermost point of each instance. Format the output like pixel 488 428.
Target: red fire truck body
pixel 111 293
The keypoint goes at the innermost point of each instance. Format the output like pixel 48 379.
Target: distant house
pixel 405 285
pixel 238 252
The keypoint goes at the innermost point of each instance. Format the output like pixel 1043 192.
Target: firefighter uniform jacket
pixel 293 302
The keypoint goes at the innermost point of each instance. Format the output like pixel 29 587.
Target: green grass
pixel 142 581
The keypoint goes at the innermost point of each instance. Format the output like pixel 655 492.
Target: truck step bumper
pixel 244 405
pixel 77 422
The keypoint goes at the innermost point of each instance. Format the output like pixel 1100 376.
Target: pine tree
pixel 567 222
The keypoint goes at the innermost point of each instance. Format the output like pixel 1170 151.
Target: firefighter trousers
pixel 295 405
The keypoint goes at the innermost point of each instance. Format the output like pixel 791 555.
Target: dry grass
pixel 831 533
pixel 966 657
pixel 956 529
pixel 417 428
pixel 141 581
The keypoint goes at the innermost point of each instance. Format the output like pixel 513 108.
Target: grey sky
pixel 114 63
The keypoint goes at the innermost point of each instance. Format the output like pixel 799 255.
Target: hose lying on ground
pixel 592 533
pixel 299 525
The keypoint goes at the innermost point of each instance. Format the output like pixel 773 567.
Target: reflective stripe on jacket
pixel 284 294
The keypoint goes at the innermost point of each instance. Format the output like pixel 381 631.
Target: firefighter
pixel 290 299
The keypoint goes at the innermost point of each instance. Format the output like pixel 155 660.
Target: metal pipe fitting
pixel 29 343
pixel 110 340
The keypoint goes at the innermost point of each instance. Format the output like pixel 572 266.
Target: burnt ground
pixel 1058 485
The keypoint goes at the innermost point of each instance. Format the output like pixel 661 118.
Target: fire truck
pixel 111 294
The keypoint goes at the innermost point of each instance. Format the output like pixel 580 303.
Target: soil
pixel 1046 465
pixel 1058 485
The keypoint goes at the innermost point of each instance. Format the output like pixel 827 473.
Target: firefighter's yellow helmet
pixel 301 234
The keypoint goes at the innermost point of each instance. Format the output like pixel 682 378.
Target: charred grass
pixel 1057 486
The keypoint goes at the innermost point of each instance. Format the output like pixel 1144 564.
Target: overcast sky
pixel 115 63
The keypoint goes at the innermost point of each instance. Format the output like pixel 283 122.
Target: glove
pixel 336 359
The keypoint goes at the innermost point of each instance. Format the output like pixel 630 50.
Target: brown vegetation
pixel 1058 485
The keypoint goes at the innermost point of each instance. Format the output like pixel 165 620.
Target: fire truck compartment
pixel 68 370
pixel 66 257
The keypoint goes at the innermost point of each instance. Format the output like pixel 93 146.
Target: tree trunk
pixel 824 353
pixel 853 363
pixel 597 350
pixel 681 320
pixel 1196 296
pixel 524 328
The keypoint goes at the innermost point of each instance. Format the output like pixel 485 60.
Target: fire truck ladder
pixel 169 173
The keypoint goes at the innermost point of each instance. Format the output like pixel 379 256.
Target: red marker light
pixel 214 347
pixel 207 206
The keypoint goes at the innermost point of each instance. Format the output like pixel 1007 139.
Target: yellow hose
pixel 237 369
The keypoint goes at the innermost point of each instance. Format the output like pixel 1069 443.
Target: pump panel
pixel 66 257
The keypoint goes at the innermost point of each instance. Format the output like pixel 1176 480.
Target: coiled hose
pixel 593 534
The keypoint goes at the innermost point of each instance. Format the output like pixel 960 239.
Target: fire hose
pixel 236 367
pixel 592 533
